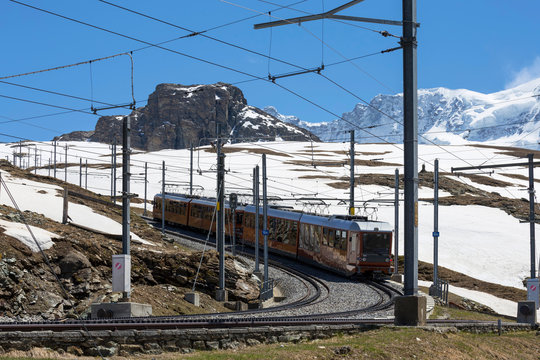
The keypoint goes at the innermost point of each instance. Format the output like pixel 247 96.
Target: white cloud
pixel 526 74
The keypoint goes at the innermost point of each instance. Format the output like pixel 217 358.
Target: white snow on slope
pixel 46 199
pixel 482 242
pixel 500 306
pixel 20 232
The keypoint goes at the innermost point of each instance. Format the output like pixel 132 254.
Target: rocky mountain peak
pixel 177 116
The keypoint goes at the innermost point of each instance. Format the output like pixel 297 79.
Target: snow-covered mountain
pixel 445 116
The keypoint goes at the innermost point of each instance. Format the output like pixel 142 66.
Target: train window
pixel 292 233
pixel 376 243
pixel 325 236
pixel 249 220
pixel 310 237
pixel 282 230
pixel 304 236
pixel 208 212
pixel 317 238
pixel 271 224
pixel 343 241
pixel 336 234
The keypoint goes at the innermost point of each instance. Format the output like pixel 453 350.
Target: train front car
pixel 373 240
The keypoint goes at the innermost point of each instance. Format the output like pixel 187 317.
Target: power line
pixel 232 69
pixel 62 66
pixel 45 104
pixel 58 93
pixel 201 33
pixel 135 39
pixel 319 39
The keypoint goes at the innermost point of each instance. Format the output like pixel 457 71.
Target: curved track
pixel 321 291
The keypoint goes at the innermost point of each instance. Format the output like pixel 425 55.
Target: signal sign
pixel 233 200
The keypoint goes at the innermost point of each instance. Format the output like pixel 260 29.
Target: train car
pixel 323 241
pixel 282 227
pixel 202 216
pixel 345 244
pixel 375 247
pixel 196 213
pixel 176 209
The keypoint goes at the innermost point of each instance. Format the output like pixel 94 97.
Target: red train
pixel 344 244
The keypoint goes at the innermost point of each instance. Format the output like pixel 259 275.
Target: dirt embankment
pixel 81 260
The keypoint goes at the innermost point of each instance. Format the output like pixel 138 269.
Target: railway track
pixel 315 292
pixel 385 293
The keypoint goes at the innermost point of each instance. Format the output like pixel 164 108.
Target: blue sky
pixel 481 45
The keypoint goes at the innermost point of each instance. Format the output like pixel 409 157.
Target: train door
pixel 354 248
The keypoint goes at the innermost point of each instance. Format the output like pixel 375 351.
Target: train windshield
pixel 376 243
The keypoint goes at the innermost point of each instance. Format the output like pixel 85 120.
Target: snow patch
pixel 20 232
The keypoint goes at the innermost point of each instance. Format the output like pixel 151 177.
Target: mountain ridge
pixel 445 116
pixel 178 116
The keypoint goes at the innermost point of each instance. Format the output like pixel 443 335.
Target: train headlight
pixel 387 260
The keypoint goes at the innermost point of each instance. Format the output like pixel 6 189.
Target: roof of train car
pixel 174 197
pixel 374 226
pixel 327 221
pixel 201 201
pixel 289 215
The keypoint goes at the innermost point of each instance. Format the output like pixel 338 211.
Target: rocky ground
pixel 77 269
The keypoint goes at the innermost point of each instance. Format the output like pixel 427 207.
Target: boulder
pixel 72 262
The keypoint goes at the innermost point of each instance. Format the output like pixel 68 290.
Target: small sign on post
pixel 121 273
pixel 265 232
pixel 533 291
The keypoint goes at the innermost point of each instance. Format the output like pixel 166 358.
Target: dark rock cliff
pixel 177 116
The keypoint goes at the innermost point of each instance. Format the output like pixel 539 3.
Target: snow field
pixel 484 243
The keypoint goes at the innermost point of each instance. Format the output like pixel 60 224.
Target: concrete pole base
pixel 526 312
pixel 410 310
pixel 192 298
pixel 397 278
pixel 119 310
pixel 222 295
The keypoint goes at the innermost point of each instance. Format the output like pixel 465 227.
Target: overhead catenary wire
pixel 383 33
pixel 319 39
pixel 179 53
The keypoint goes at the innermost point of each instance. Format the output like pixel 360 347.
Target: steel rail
pixel 381 304
pixel 163 324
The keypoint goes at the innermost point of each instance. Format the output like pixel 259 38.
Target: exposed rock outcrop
pixel 178 116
